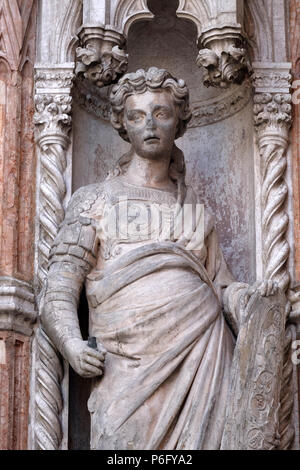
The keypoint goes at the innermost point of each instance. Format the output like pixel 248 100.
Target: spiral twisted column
pixel 272 119
pixel 53 124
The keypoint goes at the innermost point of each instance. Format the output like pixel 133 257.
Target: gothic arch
pixel 67 40
pixel 128 12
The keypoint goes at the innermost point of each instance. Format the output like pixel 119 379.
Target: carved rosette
pixel 272 117
pixel 224 56
pixel 102 58
pixel 53 124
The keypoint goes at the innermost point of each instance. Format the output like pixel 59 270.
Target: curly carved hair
pixel 152 80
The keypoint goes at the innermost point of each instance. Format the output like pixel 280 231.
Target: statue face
pixel 151 121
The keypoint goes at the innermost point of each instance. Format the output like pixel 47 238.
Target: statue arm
pixel 72 257
pixel 230 292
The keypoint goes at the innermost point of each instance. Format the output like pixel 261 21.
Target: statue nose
pixel 150 122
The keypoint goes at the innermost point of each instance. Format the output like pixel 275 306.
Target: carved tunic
pixel 155 304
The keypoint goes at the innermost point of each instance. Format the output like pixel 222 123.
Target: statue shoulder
pixel 82 201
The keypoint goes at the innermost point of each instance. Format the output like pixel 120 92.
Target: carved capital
pixel 52 118
pixel 224 55
pixel 101 58
pixel 272 114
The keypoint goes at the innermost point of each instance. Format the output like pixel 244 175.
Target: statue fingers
pixel 88 370
pixel 95 353
pixel 263 288
pixel 94 361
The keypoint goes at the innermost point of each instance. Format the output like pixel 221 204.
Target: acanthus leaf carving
pixel 52 115
pixel 101 58
pixel 229 66
pixel 104 70
pixel 272 111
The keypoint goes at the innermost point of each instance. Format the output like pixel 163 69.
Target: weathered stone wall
pixel 17 210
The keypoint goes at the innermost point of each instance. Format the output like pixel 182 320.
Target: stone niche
pixel 218 149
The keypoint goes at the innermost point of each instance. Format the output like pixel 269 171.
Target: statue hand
pixel 86 361
pixel 266 288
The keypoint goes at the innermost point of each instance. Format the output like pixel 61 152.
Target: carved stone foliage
pixel 223 53
pixel 230 66
pixel 101 59
pixel 272 111
pixel 223 48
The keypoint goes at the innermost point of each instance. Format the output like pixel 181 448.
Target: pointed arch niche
pixel 217 146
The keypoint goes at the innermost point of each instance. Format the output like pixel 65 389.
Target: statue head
pixel 145 91
pixel 153 80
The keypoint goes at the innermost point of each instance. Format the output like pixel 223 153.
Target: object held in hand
pixel 92 342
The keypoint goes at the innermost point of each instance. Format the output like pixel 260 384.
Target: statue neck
pixel 149 173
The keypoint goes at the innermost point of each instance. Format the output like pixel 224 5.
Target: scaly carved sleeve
pixel 72 257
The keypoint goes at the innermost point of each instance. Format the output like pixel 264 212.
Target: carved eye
pixel 161 114
pixel 135 117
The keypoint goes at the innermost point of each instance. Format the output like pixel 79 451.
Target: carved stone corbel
pixel 224 56
pixel 222 45
pixel 102 58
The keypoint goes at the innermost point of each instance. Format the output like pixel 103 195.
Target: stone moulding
pixel 222 107
pixel 272 78
pixel 17 306
pixel 95 102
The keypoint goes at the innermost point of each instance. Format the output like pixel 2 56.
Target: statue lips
pixel 151 139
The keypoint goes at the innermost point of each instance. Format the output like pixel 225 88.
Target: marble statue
pixel 163 305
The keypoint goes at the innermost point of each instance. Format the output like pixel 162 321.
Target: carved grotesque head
pixel 153 80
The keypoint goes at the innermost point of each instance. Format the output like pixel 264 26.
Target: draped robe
pixel 156 307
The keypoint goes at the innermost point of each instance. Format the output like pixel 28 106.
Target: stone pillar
pixel 272 118
pixel 272 115
pixel 17 194
pixel 53 125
